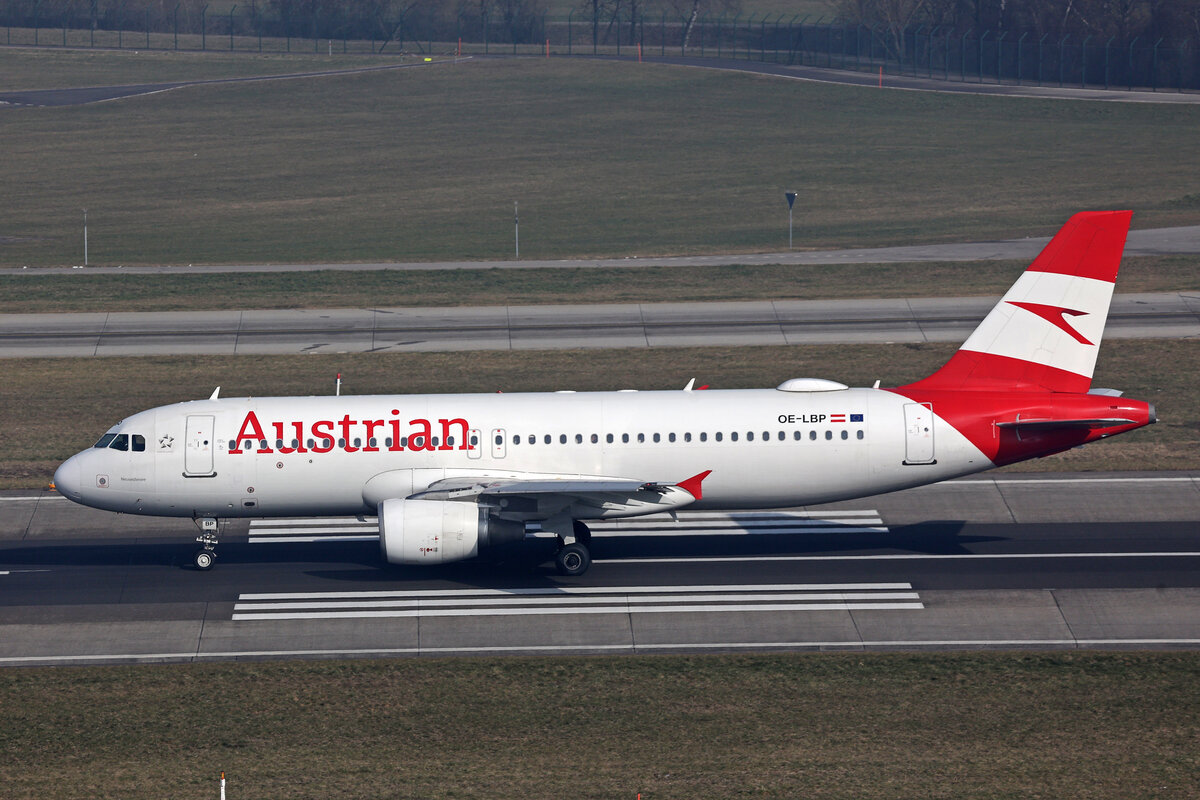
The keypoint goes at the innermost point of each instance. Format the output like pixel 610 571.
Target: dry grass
pixel 604 158
pixel 1089 725
pixel 78 291
pixel 51 408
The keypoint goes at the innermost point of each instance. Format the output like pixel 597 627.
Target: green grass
pixel 604 158
pixel 47 68
pixel 986 725
pixel 51 408
pixel 79 291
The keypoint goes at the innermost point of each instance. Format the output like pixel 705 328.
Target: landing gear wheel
pixel 572 560
pixel 204 559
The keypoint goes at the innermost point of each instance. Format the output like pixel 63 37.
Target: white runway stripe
pixel 702 523
pixel 539 601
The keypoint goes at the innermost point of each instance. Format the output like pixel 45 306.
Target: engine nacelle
pixel 439 531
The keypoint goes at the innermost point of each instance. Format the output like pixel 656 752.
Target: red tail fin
pixel 1044 334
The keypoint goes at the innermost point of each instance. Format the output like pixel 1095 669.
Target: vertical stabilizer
pixel 1044 334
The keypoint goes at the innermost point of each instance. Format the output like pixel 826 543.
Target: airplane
pixel 448 475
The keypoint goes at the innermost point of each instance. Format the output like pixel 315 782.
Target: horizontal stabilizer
pixel 1051 424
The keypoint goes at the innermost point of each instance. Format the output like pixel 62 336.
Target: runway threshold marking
pixel 540 601
pixel 350 529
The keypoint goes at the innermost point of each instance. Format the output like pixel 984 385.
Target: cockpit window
pixel 120 442
pixel 105 440
pixel 139 443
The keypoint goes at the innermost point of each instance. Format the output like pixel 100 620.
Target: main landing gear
pixel 573 557
pixel 204 559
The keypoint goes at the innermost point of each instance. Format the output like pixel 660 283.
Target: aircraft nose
pixel 67 479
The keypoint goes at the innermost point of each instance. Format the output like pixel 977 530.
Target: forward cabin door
pixel 918 433
pixel 198 447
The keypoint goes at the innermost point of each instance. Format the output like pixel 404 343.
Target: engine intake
pixel 439 531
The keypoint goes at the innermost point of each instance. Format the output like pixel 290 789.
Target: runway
pixel 1018 561
pixel 371 330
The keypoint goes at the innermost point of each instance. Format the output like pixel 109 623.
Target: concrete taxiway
pixel 1163 315
pixel 1024 561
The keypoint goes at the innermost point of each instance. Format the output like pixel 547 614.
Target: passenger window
pixel 105 440
pixel 474 441
pixel 517 439
pixel 828 435
pixel 749 436
pixel 782 436
pixel 641 438
pixel 845 435
pixel 625 438
pixel 704 437
pixel 812 436
pixel 388 442
pixel 767 435
pixel 717 436
pixel 595 439
pixel 796 435
pixel 279 444
pixel 310 444
pixel 733 437
pixel 687 437
pixel 357 442
pixel 372 442
pixel 548 439
pixel 449 441
pixel 499 439
pixel 532 439
pixel 579 438
pixel 609 438
pixel 121 442
pixel 860 434
pixel 341 444
pixel 670 437
pixel 435 441
pixel 296 443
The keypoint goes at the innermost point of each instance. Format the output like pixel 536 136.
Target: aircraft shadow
pixel 522 561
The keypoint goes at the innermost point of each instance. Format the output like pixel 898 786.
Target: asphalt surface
pixel 1018 561
pixel 1164 315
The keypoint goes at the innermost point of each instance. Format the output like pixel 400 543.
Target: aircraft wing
pixel 543 496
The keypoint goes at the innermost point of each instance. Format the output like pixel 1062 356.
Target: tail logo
pixel 1055 315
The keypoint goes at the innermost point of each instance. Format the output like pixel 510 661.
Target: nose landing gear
pixel 204 559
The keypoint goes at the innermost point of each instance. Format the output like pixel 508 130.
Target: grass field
pixel 51 408
pixel 604 159
pixel 78 291
pixel 852 725
pixel 48 68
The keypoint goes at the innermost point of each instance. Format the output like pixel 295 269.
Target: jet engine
pixel 439 531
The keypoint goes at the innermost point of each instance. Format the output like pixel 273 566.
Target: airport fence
pixel 1006 57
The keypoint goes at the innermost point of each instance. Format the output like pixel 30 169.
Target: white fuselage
pixel 314 455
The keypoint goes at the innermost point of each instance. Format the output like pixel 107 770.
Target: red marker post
pixel 222 786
